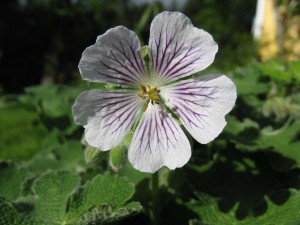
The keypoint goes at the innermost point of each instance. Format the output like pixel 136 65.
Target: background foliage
pixel 249 175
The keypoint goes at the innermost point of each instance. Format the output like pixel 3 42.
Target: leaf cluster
pixel 44 177
pixel 59 197
pixel 249 175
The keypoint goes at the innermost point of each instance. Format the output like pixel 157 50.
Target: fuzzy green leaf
pixel 58 156
pixel 8 214
pixel 247 82
pixel 52 191
pixel 286 214
pixel 52 100
pixel 283 141
pixel 11 181
pixel 21 132
pixel 109 213
pixel 103 189
pixel 276 70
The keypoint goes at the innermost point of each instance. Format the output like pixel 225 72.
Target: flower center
pixel 149 93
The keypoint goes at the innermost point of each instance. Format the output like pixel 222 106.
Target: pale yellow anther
pixel 149 93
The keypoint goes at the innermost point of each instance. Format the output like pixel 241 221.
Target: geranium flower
pixel 177 50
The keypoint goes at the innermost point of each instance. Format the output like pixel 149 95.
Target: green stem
pixel 155 198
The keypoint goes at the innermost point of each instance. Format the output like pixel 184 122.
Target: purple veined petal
pixel 114 58
pixel 177 48
pixel 158 141
pixel 201 104
pixel 107 115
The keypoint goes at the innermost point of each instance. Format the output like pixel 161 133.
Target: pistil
pixel 151 94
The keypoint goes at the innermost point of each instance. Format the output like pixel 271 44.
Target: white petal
pixel 108 115
pixel 201 104
pixel 115 58
pixel 158 141
pixel 177 48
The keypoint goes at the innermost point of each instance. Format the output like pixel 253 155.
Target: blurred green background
pixel 42 40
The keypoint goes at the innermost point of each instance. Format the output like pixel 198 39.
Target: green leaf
pixel 8 213
pixel 58 156
pixel 295 69
pixel 247 81
pixel 103 189
pixel 132 174
pixel 53 104
pixel 11 181
pixel 53 100
pixel 209 212
pixel 241 188
pixel 51 193
pixel 106 213
pixel 21 132
pixel 276 70
pixel 235 127
pixel 283 141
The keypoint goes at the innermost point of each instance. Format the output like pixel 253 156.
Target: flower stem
pixel 155 199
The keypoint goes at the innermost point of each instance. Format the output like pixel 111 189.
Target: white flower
pixel 176 50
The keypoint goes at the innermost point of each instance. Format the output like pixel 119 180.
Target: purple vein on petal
pixel 118 113
pixel 129 115
pixel 175 54
pixel 120 64
pixel 127 78
pixel 140 63
pixel 112 79
pixel 189 113
pixel 127 57
pixel 157 43
pixel 185 57
pixel 177 48
pixel 187 100
pixel 115 58
pixel 163 57
pixel 158 127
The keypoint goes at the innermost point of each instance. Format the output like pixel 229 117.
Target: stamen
pixel 149 93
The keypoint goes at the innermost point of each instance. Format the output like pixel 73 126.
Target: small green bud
pixel 91 154
pixel 280 108
pixel 267 108
pixel 116 157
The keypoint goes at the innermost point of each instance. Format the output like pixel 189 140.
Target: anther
pixel 149 93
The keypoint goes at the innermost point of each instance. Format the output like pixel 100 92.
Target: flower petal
pixel 177 48
pixel 158 141
pixel 108 115
pixel 201 104
pixel 115 58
